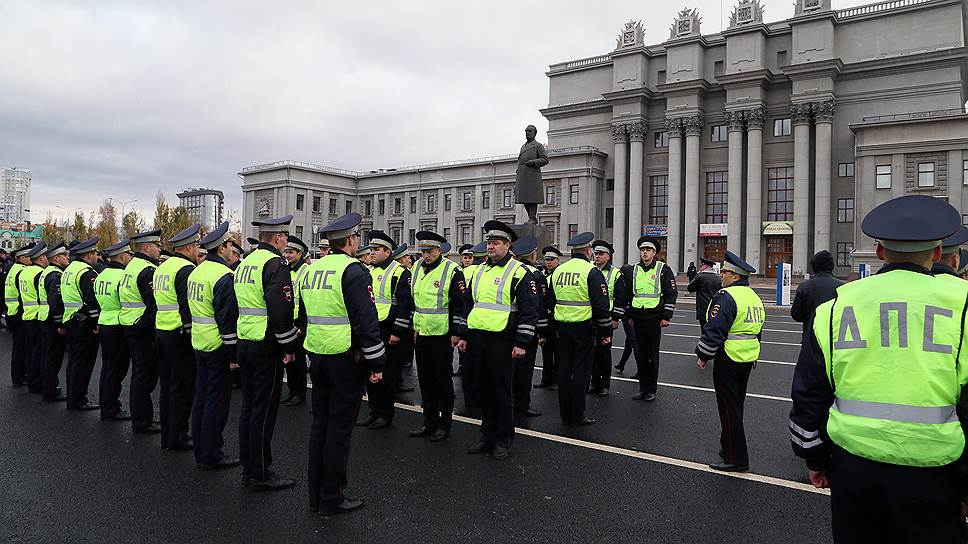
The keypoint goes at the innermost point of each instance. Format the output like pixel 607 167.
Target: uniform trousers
pixel 337 387
pixel 467 376
pixel 296 373
pixel 435 364
pixel 210 408
pixel 576 352
pixel 54 347
pixel 382 394
pixel 523 378
pixel 549 359
pixel 648 336
pixel 493 375
pixel 34 355
pixel 18 361
pixel 115 360
pixel 730 379
pixel 262 370
pixel 630 344
pixel 144 374
pixel 176 371
pixel 602 369
pixel 81 358
pixel 878 502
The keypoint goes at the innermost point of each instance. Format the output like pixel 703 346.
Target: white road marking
pixel 766 330
pixel 762 341
pixel 766 361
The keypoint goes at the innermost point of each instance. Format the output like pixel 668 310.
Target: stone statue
pixel 528 183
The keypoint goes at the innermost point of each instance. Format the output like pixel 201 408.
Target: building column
pixel 637 133
pixel 754 186
pixel 801 114
pixel 823 114
pixel 674 221
pixel 734 191
pixel 693 128
pixel 620 136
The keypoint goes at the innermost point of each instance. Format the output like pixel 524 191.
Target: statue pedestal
pixel 544 234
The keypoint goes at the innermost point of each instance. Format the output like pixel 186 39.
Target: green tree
pixel 78 229
pixel 51 232
pixel 132 223
pixel 107 227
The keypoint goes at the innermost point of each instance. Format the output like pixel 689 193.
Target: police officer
pixel 344 345
pixel 549 350
pixel 705 283
pixel 28 283
pixel 648 290
pixel 578 302
pixel 499 335
pixel 14 313
pixel 115 355
pixel 479 253
pixel 51 315
pixel 879 389
pixel 525 249
pixel 268 340
pixel 295 253
pixel 394 304
pixel 439 322
pixel 211 300
pixel 173 322
pixel 202 253
pixel 402 256
pixel 137 318
pixel 235 256
pixel 963 264
pixel 731 339
pixel 467 266
pixel 950 261
pixel 324 248
pixel 602 369
pixel 364 256
pixel 81 312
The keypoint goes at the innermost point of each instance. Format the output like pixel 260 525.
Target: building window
pixel 300 202
pixel 485 200
pixel 447 233
pixel 431 203
pixel 506 200
pixel 779 194
pixel 718 133
pixel 609 217
pixel 466 201
pixel 716 197
pixel 573 194
pixel 332 206
pixel 719 68
pixel 925 174
pixel 844 249
pixel 317 204
pixel 368 207
pixel 448 201
pixel 883 176
pixel 660 77
pixel 299 231
pixel 382 206
pixel 845 169
pixel 572 230
pixel 964 219
pixel 658 200
pixel 964 172
pixel 845 210
pixel 551 196
pixel 465 234
pixel 412 236
pixel 349 206
pixel 781 59
pixel 661 139
pixel 610 184
pixel 413 204
pixel 395 233
pixel 782 127
pixel 398 205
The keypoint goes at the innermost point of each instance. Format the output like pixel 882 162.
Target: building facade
pixel 770 139
pixel 205 205
pixel 15 195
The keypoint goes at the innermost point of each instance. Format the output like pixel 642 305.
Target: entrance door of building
pixel 714 248
pixel 779 249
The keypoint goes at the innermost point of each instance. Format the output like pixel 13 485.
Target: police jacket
pixel 705 284
pixel 938 268
pixel 402 312
pixel 144 282
pixel 523 294
pixel 722 309
pixel 300 320
pixel 624 292
pixel 598 295
pixel 278 296
pixel 226 308
pixel 815 291
pixel 90 309
pixel 456 293
pixel 55 303
pixel 181 291
pixel 544 318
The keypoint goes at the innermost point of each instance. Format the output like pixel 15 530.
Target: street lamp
pixel 123 204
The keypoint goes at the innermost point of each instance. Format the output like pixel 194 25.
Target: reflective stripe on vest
pixel 647 286
pixel 491 292
pixel 29 296
pixel 11 291
pixel 891 344
pixel 132 306
pixel 108 298
pixel 297 276
pixel 610 279
pixel 382 287
pixel 570 284
pixel 742 345
pixel 166 299
pixel 430 298
pixel 328 329
pixel 253 316
pixel 71 287
pixel 44 312
pixel 201 285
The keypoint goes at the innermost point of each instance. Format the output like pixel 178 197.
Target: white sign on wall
pixel 784 279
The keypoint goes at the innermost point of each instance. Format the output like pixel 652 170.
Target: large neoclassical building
pixel 770 139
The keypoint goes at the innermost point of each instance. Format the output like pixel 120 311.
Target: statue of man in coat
pixel 528 184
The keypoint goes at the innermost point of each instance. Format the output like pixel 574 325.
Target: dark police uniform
pixel 138 326
pixel 579 304
pixel 52 310
pixel 115 355
pixel 879 398
pixel 602 369
pixel 705 284
pixel 344 346
pixel 963 263
pixel 403 256
pixel 649 293
pixel 28 284
pixel 523 249
pixel 81 312
pixel 549 351
pixel 462 251
pixel 467 367
pixel 951 246
pixel 14 313
pixel 267 333
pixel 731 339
pixel 297 371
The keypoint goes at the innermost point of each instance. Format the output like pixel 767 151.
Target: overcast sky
pixel 123 98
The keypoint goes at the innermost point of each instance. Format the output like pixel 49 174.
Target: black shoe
pixel 379 423
pixel 295 401
pixel 500 453
pixel 225 462
pixel 585 421
pixel 554 387
pixel 647 397
pixel 541 385
pixel 119 416
pixel 528 413
pixel 405 389
pixel 348 505
pixel 19 384
pixel 729 467
pixel 422 431
pixel 86 407
pixel 186 446
pixel 480 447
pixel 603 392
pixel 366 421
pixel 154 428
pixel 59 398
pixel 439 434
pixel 273 483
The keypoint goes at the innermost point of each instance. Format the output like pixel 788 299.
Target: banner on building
pixel 777 228
pixel 655 230
pixel 712 229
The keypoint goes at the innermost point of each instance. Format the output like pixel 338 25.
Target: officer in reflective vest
pixel 344 346
pixel 173 323
pixel 115 355
pixel 602 369
pixel 947 267
pixel 81 312
pixel 324 247
pixel 578 302
pixel 268 340
pixel 525 250
pixel 137 318
pixel 502 322
pixel 211 299
pixel 648 290
pixel 549 350
pixel 403 255
pixel 295 253
pixel 963 264
pixel 28 285
pixel 439 322
pixel 879 397
pixel 467 266
pixel 14 313
pixel 51 315
pixel 479 252
pixel 731 339
pixel 393 301
pixel 364 256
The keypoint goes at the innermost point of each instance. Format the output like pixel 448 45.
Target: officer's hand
pixel 964 507
pixel 233 366
pixel 542 341
pixel 375 377
pixel 96 329
pixel 394 340
pixel 631 322
pixel 288 358
pixel 517 353
pixel 701 364
pixel 607 341
pixel 664 323
pixel 454 341
pixel 462 346
pixel 62 331
pixel 819 479
pixel 614 324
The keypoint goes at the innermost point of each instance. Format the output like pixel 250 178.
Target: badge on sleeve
pixel 369 290
pixel 460 286
pixel 714 311
pixel 287 291
pixel 604 289
pixel 534 287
